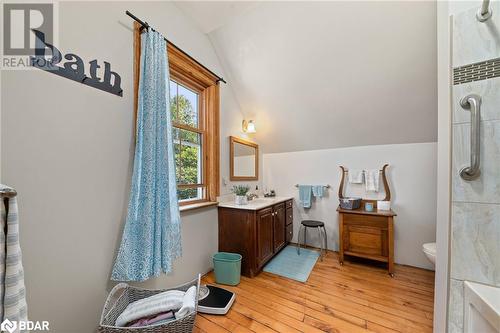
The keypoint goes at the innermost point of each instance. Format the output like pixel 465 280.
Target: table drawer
pixel 365 220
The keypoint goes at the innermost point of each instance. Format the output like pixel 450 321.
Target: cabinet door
pixel 289 233
pixel 279 226
pixel 264 235
pixel 289 216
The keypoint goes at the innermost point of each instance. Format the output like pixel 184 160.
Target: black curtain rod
pixel 146 25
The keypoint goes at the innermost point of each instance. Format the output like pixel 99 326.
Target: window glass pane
pixel 189 157
pixel 177 150
pixel 173 87
pixel 187 194
pixel 187 106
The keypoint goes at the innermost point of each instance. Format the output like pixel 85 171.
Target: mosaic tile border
pixel 476 72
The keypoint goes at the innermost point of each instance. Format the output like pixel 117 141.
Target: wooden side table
pixel 367 235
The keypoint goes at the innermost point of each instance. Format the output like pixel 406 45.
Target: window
pixel 188 136
pixel 194 107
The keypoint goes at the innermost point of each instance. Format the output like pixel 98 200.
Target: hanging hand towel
pixel 305 192
pixel 12 290
pixel 372 179
pixel 355 176
pixel 151 238
pixel 318 190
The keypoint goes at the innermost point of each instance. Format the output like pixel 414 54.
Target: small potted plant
pixel 241 194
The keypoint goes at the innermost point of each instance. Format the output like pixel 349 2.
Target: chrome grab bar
pixel 484 12
pixel 473 104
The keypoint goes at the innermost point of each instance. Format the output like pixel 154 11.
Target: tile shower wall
pixel 475 225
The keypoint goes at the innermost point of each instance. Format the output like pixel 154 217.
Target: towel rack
pixel 327 185
pixel 384 180
pixel 7 192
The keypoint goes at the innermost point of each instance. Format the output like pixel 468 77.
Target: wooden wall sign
pixel 74 67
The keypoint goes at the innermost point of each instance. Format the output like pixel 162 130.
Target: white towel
pixel 162 302
pixel 12 289
pixel 355 176
pixel 188 303
pixel 372 179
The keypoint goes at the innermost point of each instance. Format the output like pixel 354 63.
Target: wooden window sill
pixel 199 205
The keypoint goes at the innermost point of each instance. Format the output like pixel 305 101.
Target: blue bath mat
pixel 289 264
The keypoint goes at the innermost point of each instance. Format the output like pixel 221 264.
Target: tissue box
pixel 383 205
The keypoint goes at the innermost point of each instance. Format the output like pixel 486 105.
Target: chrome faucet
pixel 252 196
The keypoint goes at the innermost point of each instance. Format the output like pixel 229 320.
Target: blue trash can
pixel 227 268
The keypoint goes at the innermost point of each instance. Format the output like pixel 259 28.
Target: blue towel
pixel 305 192
pixel 318 191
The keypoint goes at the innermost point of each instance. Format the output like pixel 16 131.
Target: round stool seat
pixel 320 226
pixel 312 223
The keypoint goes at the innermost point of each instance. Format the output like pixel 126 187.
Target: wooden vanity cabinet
pixel 258 235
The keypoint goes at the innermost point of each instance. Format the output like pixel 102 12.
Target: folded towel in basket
pixel 162 302
pixel 188 303
pixel 159 318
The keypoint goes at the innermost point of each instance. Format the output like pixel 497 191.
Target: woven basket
pixel 123 294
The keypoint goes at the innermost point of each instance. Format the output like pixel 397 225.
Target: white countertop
pixel 255 204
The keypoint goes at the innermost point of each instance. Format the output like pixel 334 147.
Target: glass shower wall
pixel 475 218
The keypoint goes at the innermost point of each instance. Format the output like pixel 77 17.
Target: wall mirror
pixel 244 159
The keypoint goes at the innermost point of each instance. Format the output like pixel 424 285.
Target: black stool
pixel 321 229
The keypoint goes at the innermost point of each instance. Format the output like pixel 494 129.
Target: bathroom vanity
pixel 257 231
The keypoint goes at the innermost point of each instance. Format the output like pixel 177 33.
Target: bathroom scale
pixel 215 300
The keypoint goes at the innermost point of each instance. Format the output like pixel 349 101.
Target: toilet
pixel 430 251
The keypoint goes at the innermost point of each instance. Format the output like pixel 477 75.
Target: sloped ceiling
pixel 210 15
pixel 316 75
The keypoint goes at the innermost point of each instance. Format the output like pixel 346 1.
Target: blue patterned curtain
pixel 152 237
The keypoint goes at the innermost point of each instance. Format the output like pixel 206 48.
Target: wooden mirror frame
pixel 232 141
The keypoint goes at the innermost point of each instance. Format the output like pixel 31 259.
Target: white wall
pixel 412 178
pixel 68 150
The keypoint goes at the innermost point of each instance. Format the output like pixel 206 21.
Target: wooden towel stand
pixel 367 234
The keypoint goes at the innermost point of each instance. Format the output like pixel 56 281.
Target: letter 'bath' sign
pixel 74 68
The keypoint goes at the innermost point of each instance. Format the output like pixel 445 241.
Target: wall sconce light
pixel 248 126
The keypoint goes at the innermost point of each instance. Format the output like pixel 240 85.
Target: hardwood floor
pixel 350 298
